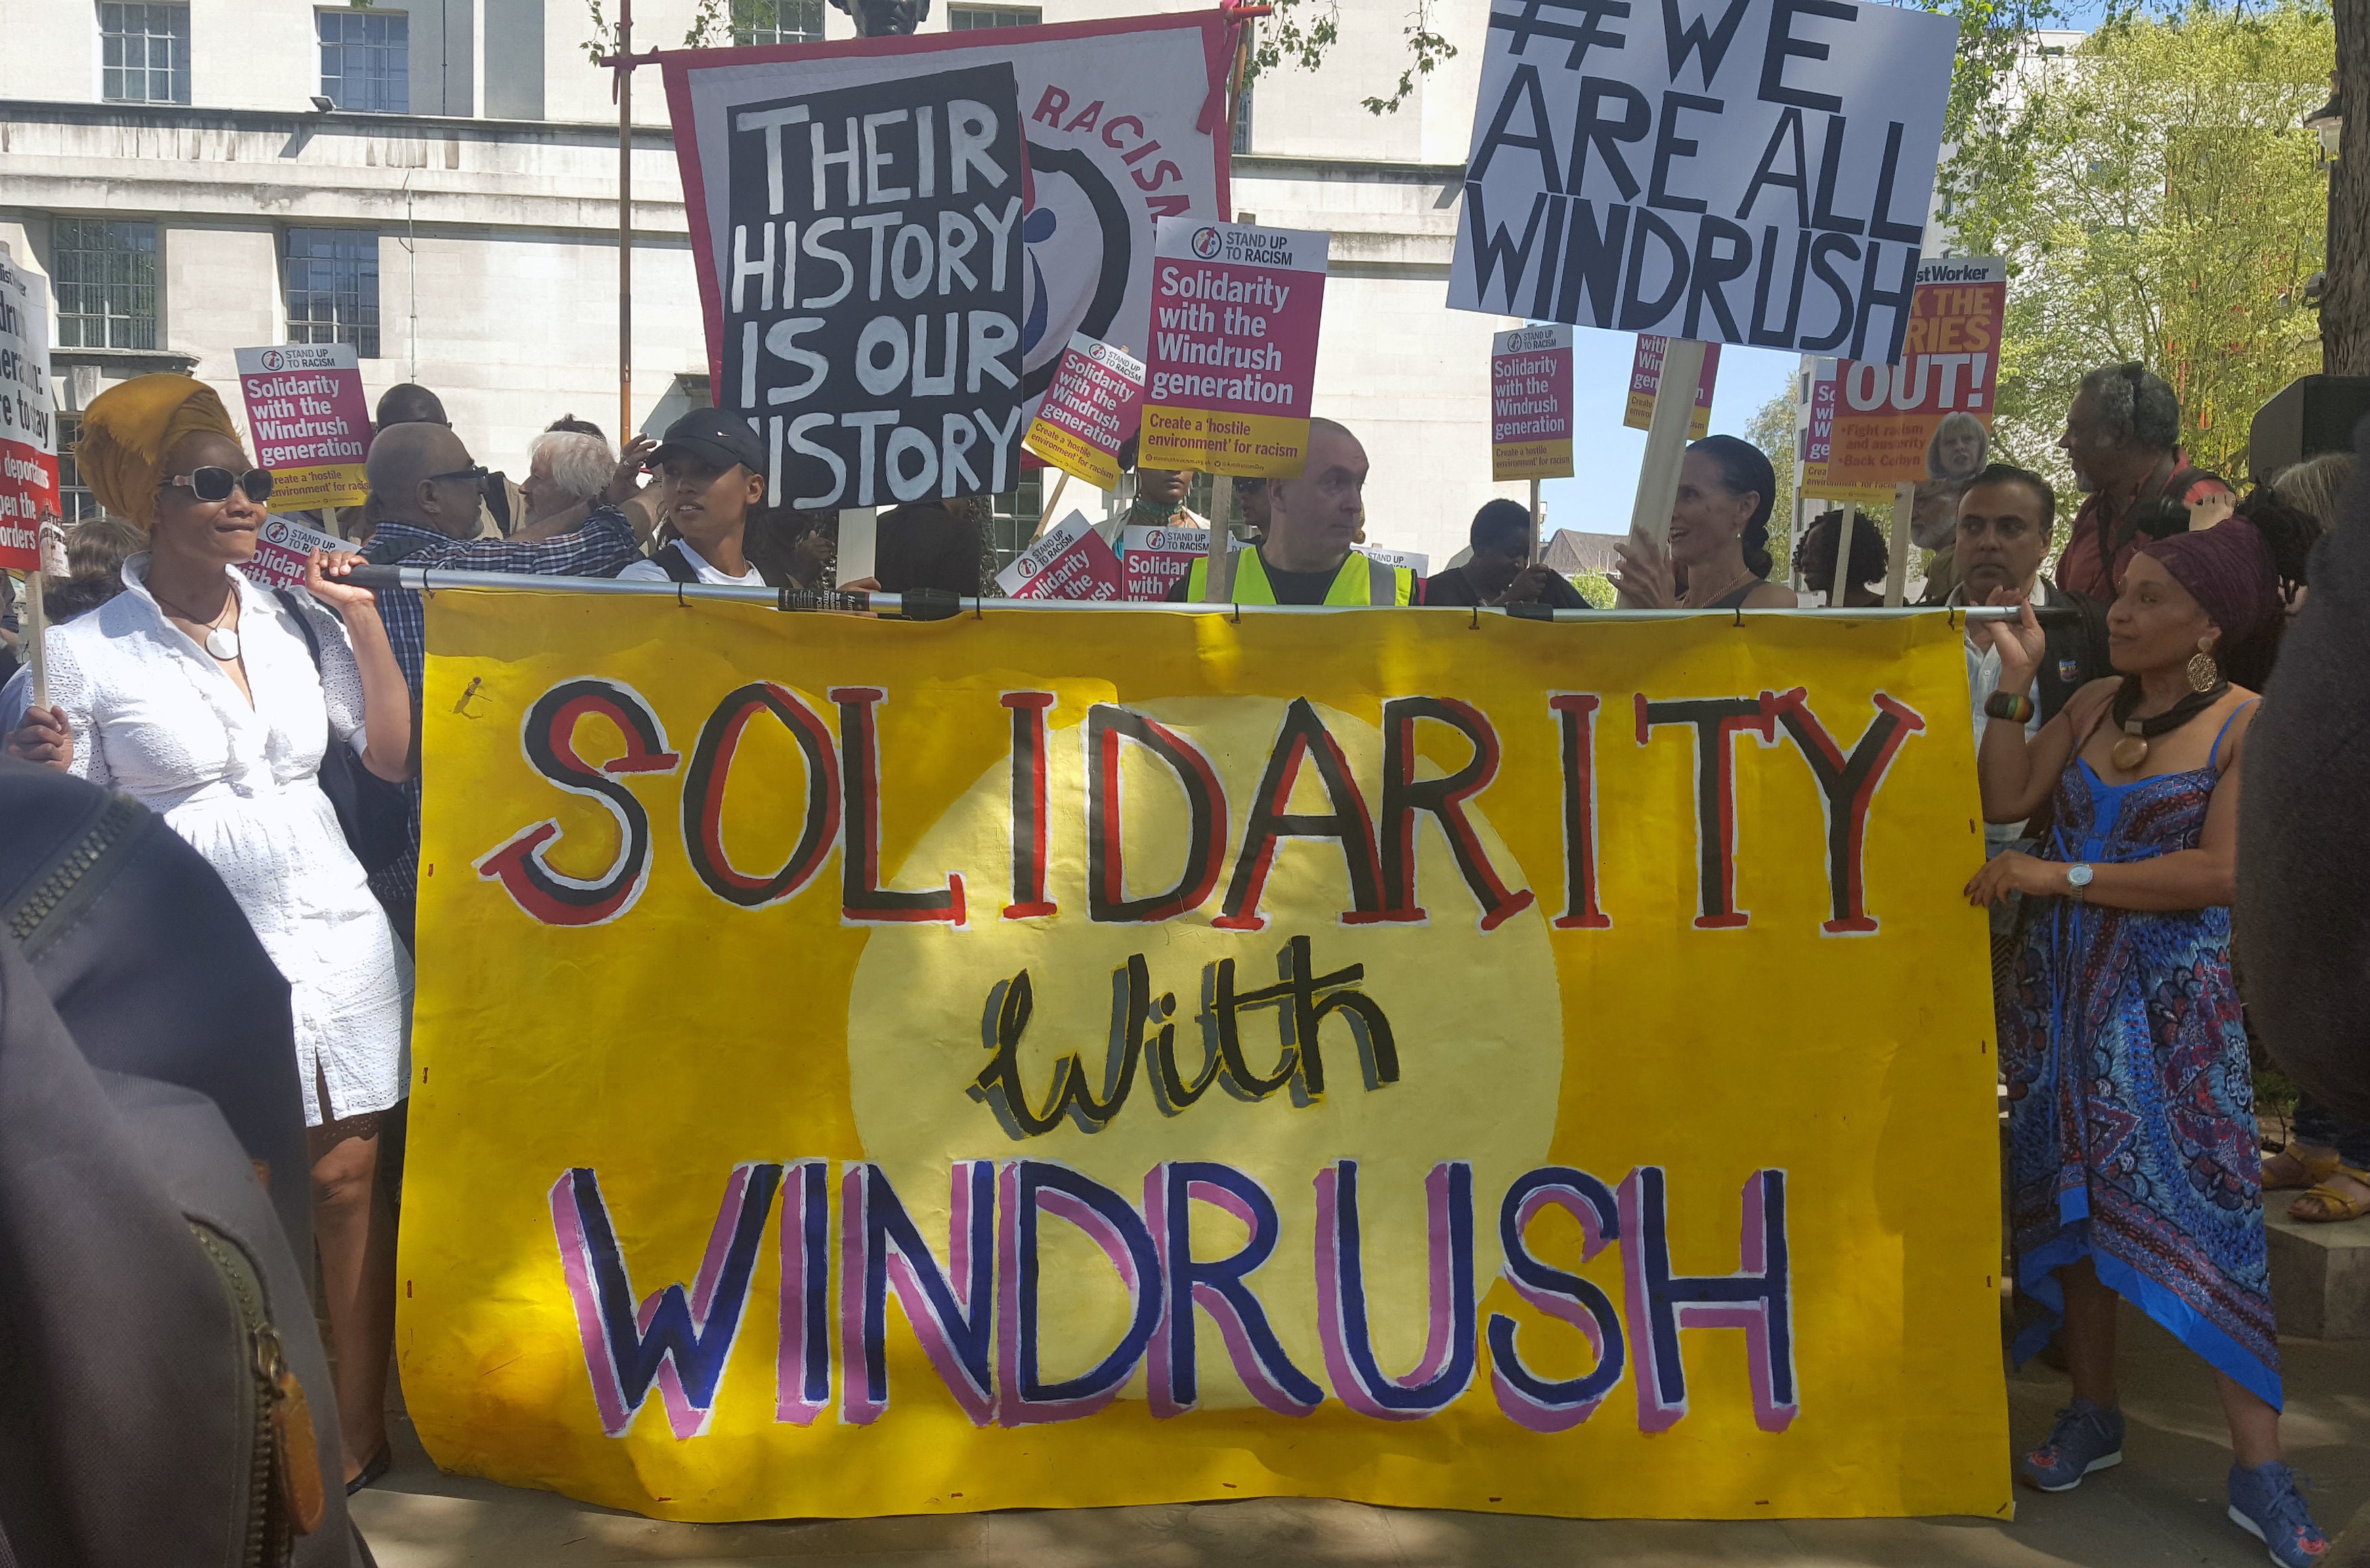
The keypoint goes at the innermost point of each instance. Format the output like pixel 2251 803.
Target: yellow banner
pixel 1639 415
pixel 1059 1060
pixel 1072 453
pixel 331 484
pixel 1220 441
pixel 1530 460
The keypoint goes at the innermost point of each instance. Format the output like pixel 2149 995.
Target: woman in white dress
pixel 194 692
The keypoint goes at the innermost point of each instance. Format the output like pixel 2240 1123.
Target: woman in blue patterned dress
pixel 2134 1164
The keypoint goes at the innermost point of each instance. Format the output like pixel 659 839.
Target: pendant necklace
pixel 220 640
pixel 2132 751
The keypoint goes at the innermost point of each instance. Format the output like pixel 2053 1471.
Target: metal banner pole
pixel 625 223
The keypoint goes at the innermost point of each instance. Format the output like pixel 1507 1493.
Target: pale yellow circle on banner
pixel 1476 1017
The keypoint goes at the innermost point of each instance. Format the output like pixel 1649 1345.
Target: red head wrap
pixel 2227 569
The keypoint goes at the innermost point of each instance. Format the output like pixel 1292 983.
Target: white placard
pixel 1731 171
pixel 1069 560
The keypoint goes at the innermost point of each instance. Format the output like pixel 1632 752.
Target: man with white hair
pixel 568 470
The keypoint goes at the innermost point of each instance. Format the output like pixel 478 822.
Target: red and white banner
pixel 310 422
pixel 1090 412
pixel 281 548
pixel 29 427
pixel 1125 125
pixel 1530 403
pixel 1646 380
pixel 1156 560
pixel 1067 561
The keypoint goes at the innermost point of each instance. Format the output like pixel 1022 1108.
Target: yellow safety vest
pixel 1360 581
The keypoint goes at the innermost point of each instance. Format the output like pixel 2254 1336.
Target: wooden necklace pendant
pixel 2132 750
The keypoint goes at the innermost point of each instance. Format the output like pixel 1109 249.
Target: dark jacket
pixel 155 971
pixel 2078 650
pixel 2302 921
pixel 157 1315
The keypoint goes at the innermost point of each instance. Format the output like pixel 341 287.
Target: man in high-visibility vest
pixel 1312 522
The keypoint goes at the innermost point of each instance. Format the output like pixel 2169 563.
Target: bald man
pixel 425 490
pixel 1313 521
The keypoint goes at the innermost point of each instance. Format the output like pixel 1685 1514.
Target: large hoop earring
pixel 2203 674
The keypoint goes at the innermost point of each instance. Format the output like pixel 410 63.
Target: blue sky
pixel 1605 453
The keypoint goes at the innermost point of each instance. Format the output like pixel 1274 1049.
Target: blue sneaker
pixel 2086 1437
pixel 2267 1502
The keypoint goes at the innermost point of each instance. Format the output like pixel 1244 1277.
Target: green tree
pixel 2157 200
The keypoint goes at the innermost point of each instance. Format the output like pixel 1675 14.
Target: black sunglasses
pixel 212 483
pixel 476 476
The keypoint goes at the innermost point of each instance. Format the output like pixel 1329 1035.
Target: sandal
pixel 374 1470
pixel 2317 1170
pixel 2324 1205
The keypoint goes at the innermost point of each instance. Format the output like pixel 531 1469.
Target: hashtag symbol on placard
pixel 1526 24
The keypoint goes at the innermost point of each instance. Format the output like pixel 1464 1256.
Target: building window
pixel 366 61
pixel 963 18
pixel 333 288
pixel 106 277
pixel 144 54
pixel 777 21
pixel 75 500
pixel 1012 519
pixel 1243 119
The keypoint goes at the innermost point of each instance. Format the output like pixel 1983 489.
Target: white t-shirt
pixel 651 571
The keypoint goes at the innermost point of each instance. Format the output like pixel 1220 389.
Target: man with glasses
pixel 426 491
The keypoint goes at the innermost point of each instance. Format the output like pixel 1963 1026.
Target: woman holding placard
pixel 212 701
pixel 2133 1169
pixel 1720 537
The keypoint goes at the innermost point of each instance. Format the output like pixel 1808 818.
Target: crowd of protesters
pixel 2113 719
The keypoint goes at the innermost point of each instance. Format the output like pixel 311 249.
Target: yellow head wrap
pixel 131 427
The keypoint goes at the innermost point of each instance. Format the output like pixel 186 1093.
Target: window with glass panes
pixel 777 21
pixel 75 499
pixel 963 18
pixel 333 288
pixel 105 272
pixel 1243 119
pixel 143 52
pixel 366 61
pixel 1012 518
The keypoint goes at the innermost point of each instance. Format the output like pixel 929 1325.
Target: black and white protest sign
pixel 872 298
pixel 1733 171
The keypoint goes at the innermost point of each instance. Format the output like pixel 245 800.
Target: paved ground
pixel 2165 1505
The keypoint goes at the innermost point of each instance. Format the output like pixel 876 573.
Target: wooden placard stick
pixel 1219 586
pixel 1666 442
pixel 1843 535
pixel 1896 570
pixel 1048 512
pixel 1536 527
pixel 36 623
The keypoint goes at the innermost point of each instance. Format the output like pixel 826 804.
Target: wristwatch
pixel 2077 881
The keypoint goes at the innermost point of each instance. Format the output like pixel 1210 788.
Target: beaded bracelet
pixel 2012 706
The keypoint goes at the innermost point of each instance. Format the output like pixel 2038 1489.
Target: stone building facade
pixel 436 180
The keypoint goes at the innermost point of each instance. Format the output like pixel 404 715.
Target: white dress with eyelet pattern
pixel 153 717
